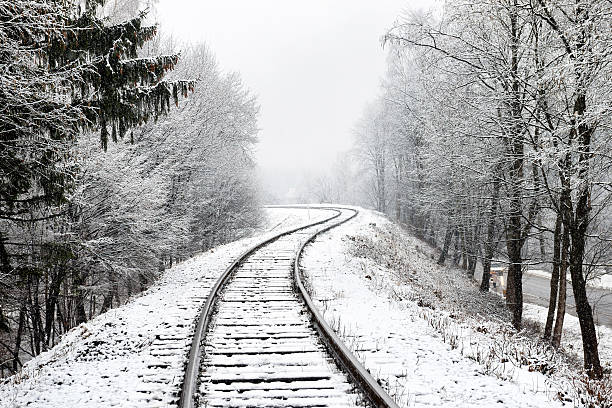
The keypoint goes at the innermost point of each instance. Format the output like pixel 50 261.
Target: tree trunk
pixel 79 295
pixel 577 224
pixel 464 250
pixel 5 269
pixel 448 237
pixel 457 253
pixel 583 308
pixel 473 250
pixel 472 265
pixel 486 272
pixel 489 246
pixel 514 290
pixel 514 243
pixel 554 279
pixel 35 315
pixel 558 332
pixel 107 303
pixel 51 304
pixel 398 208
pixel 515 147
pixel 129 289
pixel 19 335
pixel 112 293
pixel 398 186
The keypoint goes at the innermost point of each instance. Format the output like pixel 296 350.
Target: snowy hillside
pixel 134 356
pixel 426 331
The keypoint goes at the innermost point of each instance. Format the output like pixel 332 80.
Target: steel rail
pixel 190 381
pixel 376 395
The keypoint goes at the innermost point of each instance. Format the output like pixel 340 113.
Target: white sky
pixel 313 64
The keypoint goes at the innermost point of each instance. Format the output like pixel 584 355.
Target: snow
pixel 133 356
pixel 261 336
pixel 425 331
pixel 571 340
pixel 604 282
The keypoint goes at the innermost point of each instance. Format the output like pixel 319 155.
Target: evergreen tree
pixel 63 71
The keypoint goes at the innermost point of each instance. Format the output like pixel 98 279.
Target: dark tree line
pixel 85 223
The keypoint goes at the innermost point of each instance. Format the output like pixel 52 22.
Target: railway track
pixel 260 342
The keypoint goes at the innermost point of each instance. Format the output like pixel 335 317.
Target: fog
pixel 313 65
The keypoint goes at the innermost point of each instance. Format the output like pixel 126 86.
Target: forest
pixel 491 140
pixel 122 152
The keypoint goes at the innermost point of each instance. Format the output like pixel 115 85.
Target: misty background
pixel 314 66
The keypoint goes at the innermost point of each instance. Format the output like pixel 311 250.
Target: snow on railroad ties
pixel 134 356
pixel 261 348
pixel 389 323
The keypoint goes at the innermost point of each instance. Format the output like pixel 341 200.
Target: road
pixel 536 289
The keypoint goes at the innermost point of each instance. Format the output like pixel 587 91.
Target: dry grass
pixel 475 323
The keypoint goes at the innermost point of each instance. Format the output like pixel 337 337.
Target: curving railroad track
pixel 260 341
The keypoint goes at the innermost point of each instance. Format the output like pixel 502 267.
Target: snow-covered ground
pixel 427 332
pixel 133 356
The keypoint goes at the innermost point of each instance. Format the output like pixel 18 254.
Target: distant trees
pixel 342 182
pixel 372 139
pixel 85 223
pixel 497 135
